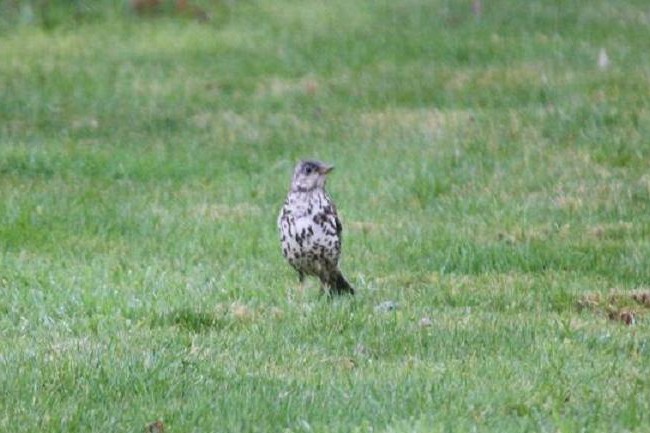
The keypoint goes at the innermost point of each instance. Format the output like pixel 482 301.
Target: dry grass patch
pixel 617 305
pixel 614 230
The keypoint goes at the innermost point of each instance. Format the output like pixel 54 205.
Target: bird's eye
pixel 308 169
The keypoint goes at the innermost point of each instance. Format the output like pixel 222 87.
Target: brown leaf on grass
pixel 347 363
pixel 145 6
pixel 311 87
pixel 155 427
pixel 626 316
pixel 642 298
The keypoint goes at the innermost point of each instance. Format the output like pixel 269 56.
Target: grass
pixel 491 178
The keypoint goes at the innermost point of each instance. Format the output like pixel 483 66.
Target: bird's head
pixel 310 175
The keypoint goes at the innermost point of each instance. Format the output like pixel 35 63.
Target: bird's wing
pixel 339 226
pixel 337 222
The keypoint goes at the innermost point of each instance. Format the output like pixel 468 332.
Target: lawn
pixel 492 176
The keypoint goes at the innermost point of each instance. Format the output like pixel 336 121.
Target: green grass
pixel 490 177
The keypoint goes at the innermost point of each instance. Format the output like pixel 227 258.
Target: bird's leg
pixel 300 290
pixel 325 285
pixel 301 282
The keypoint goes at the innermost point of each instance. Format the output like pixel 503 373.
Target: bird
pixel 310 229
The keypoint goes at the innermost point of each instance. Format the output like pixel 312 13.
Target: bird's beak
pixel 325 169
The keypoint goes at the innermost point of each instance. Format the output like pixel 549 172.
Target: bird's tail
pixel 340 285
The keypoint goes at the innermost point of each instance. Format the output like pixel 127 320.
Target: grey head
pixel 310 175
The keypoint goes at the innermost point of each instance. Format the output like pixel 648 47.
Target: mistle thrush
pixel 310 229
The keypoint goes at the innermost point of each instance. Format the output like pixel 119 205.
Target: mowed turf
pixel 493 182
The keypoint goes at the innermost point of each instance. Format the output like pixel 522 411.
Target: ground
pixel 491 175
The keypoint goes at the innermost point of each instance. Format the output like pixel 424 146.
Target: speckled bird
pixel 310 229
